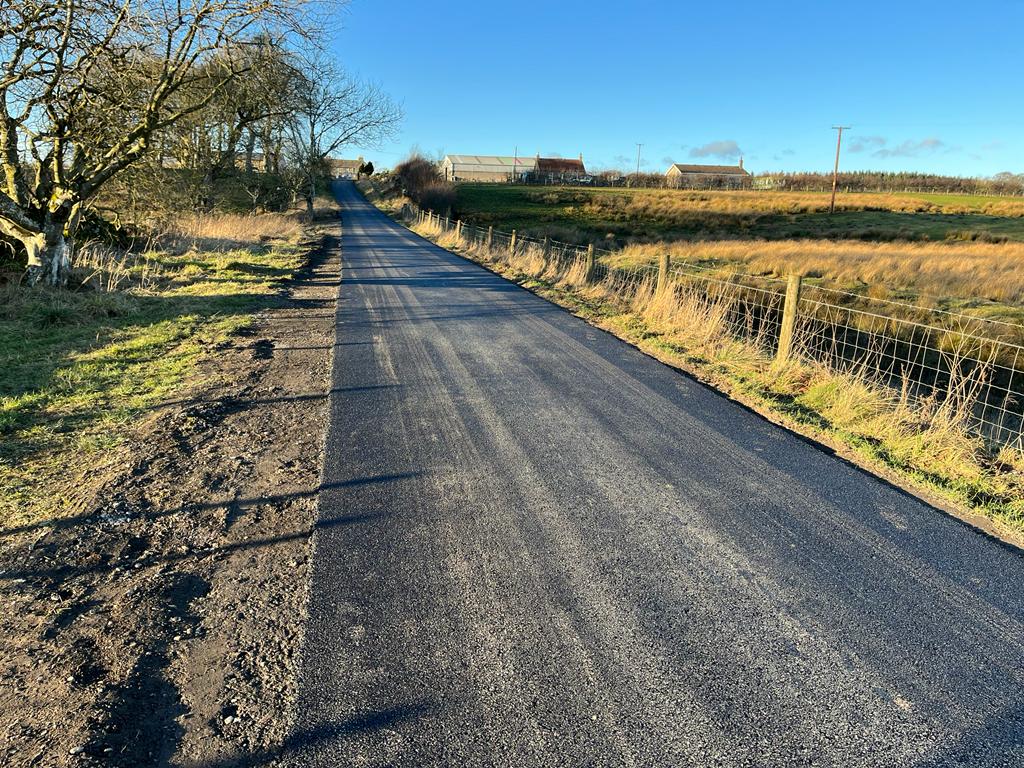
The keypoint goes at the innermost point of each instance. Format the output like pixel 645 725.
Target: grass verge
pixel 78 368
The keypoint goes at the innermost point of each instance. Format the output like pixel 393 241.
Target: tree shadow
pixel 310 740
pixel 237 507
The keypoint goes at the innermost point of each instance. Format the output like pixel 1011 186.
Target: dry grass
pixel 218 236
pixel 427 228
pixel 665 204
pixel 994 272
pixel 225 232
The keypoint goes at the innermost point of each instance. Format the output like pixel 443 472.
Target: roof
pixel 337 162
pixel 492 163
pixel 560 165
pixel 717 170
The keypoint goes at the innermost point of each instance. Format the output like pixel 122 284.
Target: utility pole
pixel 638 162
pixel 835 170
pixel 515 162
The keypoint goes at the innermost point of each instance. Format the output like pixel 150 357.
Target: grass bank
pixel 80 367
pixel 923 443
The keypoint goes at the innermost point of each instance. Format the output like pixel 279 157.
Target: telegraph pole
pixel 835 170
pixel 638 162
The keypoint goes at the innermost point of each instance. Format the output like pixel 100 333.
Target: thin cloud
pixel 864 143
pixel 992 146
pixel 788 152
pixel 723 149
pixel 912 148
pixel 666 160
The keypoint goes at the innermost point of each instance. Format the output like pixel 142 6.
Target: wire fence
pixel 972 367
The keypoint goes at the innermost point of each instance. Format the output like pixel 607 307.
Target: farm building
pixel 486 167
pixel 558 170
pixel 708 176
pixel 341 168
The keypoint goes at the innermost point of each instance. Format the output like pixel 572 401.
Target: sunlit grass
pixel 78 368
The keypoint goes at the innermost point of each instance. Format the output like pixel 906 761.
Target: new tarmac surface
pixel 539 547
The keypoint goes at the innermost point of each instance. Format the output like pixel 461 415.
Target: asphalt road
pixel 540 547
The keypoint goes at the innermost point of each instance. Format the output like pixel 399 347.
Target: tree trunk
pixel 310 196
pixel 250 149
pixel 49 256
pixel 207 193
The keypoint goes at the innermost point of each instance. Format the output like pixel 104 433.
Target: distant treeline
pixel 853 181
pixel 879 181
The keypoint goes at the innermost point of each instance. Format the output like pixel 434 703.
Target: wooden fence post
pixel 458 229
pixel 590 263
pixel 490 236
pixel 663 262
pixel 545 249
pixel 788 325
pixel 512 244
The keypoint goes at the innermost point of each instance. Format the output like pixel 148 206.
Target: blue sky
pixel 925 86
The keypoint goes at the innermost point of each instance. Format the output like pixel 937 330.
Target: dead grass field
pixel 956 253
pixel 622 216
pixel 940 272
pixel 667 202
pixel 226 231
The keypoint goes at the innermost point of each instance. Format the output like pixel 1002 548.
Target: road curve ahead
pixel 539 547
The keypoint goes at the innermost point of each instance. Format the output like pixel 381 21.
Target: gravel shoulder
pixel 160 624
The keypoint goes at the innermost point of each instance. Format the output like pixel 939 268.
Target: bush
pixel 439 196
pixel 421 181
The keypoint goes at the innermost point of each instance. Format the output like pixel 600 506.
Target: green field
pixel 969 201
pixel 620 216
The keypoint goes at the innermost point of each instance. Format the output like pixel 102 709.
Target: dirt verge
pixel 160 625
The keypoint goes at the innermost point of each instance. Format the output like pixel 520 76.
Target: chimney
pixel 741 162
pixel 581 157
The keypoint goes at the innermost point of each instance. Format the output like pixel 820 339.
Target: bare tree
pixel 215 140
pixel 334 110
pixel 85 85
